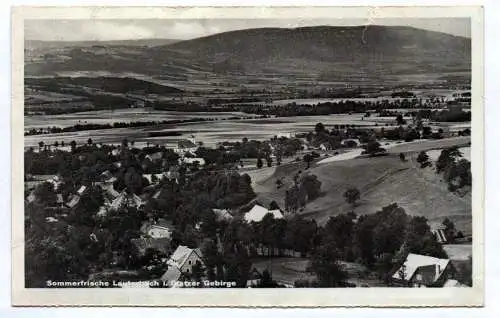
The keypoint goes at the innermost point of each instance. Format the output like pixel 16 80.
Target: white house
pixel 160 229
pixel 182 262
pixel 55 181
pixel 423 271
pixel 257 213
pixel 150 178
pixel 285 134
pixel 187 160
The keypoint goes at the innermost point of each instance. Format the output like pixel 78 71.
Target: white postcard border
pixel 307 297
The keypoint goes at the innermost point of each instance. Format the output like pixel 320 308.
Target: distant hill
pixel 37 44
pixel 373 48
pixel 352 53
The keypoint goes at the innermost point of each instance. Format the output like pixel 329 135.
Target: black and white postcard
pixel 275 157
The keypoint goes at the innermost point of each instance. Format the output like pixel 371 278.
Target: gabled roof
pixel 200 161
pixel 74 201
pixel 81 190
pixel 126 199
pixel 149 176
pixel 155 156
pixel 186 144
pixel 415 261
pixel 106 175
pixel 257 213
pixel 222 214
pixel 181 254
pixel 171 275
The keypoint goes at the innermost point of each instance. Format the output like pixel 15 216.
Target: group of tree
pixel 423 160
pixel 456 171
pixel 306 187
pixel 380 241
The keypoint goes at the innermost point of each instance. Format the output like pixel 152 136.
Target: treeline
pixel 133 124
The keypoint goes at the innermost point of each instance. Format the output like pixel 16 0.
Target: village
pixel 196 216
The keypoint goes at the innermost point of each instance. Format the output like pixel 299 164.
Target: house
pixel 55 181
pixel 60 200
pixel 125 199
pixel 285 135
pixel 154 156
pixel 439 233
pixel 222 215
pixel 31 197
pixel 324 147
pixel 159 229
pixel 116 152
pixel 423 271
pixel 181 262
pixel 186 145
pixel 81 190
pixel 75 199
pixel 172 174
pixel 187 160
pixel 157 177
pixel 254 278
pixel 257 213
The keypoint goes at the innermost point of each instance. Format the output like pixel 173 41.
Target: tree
pixel 447 157
pixel 324 263
pixel 72 145
pixel 423 159
pixel 311 185
pixel 319 128
pixel 40 145
pixel 352 195
pixel 124 142
pixel 373 148
pixel 449 229
pixel 269 161
pixel 56 143
pixel 402 156
pixel 89 141
pixel 260 164
pixel 308 158
pixel 399 120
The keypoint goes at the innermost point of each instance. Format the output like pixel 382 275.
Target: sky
pixel 105 30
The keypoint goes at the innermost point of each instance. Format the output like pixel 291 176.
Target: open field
pixel 210 132
pixel 458 252
pixel 287 270
pixel 381 181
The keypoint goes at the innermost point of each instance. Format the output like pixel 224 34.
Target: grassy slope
pixel 382 181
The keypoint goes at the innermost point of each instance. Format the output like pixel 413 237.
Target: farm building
pixel 159 229
pixel 257 213
pixel 186 160
pixel 423 271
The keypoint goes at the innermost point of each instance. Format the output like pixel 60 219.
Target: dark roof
pixel 186 144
